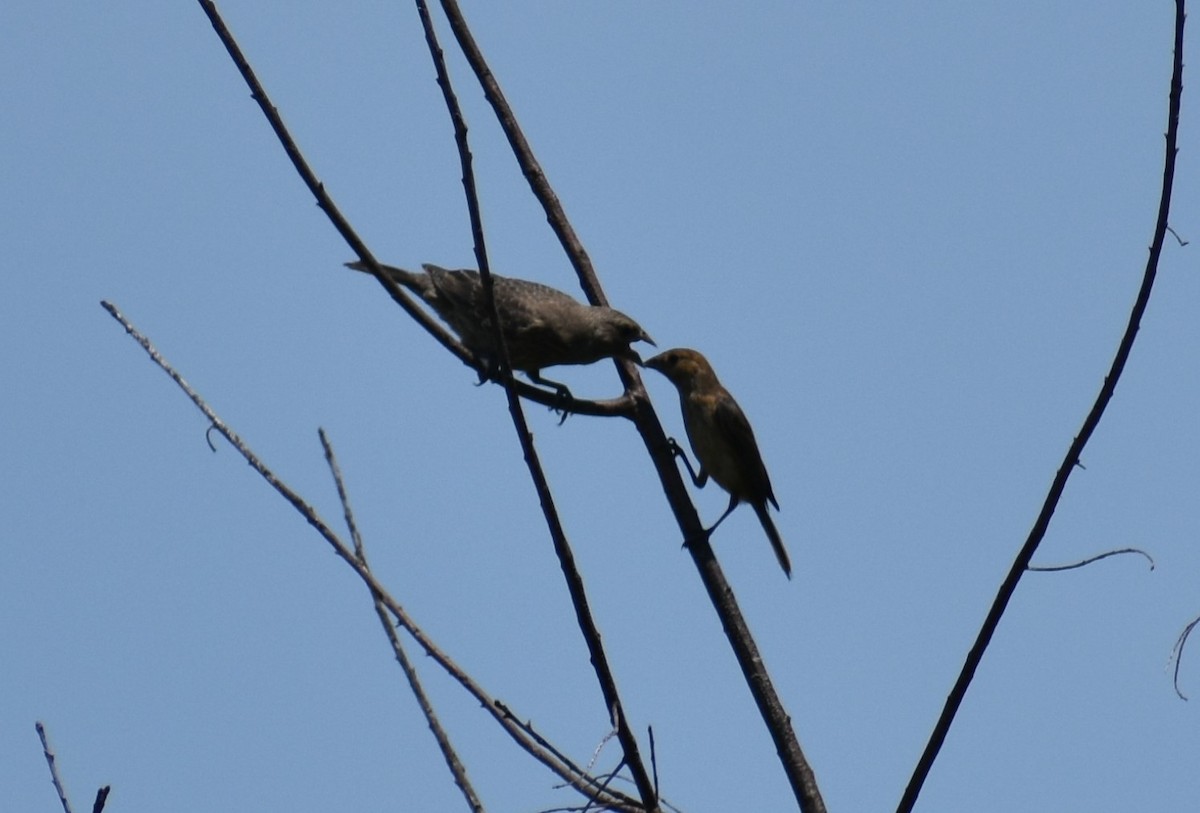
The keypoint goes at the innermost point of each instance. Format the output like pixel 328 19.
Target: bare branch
pixel 562 548
pixel 635 404
pixel 583 784
pixel 778 722
pixel 524 155
pixel 50 760
pixel 457 770
pixel 614 407
pixel 324 201
pixel 1042 523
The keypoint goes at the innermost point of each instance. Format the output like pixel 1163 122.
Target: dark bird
pixel 721 439
pixel 542 326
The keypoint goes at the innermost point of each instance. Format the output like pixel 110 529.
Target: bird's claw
pixel 562 399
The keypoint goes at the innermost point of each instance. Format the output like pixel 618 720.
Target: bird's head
pixel 683 367
pixel 619 331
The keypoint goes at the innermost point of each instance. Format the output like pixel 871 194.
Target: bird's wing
pixel 731 422
pixel 525 302
pixel 534 342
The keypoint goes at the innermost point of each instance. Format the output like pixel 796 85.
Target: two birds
pixel 544 327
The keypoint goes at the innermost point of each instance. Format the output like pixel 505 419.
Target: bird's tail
pixel 768 524
pixel 417 283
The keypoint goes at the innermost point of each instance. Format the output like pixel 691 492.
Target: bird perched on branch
pixel 542 326
pixel 721 439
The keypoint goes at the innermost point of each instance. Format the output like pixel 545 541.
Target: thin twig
pixel 562 548
pixel 653 757
pixel 50 760
pixel 101 793
pixel 1040 526
pixel 1089 560
pixel 1177 653
pixel 528 728
pixel 457 770
pixel 54 769
pixel 583 784
pixel 524 155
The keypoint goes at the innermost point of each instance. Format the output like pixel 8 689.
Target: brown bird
pixel 542 326
pixel 721 439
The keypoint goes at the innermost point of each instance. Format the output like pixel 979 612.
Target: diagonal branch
pixel 457 770
pixel 796 766
pixel 1042 523
pixel 581 782
pixel 619 406
pixel 562 548
pixel 524 155
pixel 52 761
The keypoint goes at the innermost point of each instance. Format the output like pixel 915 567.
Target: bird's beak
pixel 655 363
pixel 646 338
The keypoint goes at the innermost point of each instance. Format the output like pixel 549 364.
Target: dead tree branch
pixel 1042 523
pixel 776 718
pixel 583 783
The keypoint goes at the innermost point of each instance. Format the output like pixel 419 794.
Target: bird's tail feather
pixel 773 534
pixel 417 283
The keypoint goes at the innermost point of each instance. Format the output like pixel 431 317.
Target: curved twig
pixel 1177 653
pixel 1042 523
pixel 1090 559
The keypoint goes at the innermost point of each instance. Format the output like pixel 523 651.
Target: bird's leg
pixel 489 370
pixel 733 503
pixel 705 533
pixel 563 396
pixel 699 480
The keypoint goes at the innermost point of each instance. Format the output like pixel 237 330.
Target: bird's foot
pixel 562 400
pixel 695 538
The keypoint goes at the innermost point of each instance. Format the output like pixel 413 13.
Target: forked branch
pixel 583 783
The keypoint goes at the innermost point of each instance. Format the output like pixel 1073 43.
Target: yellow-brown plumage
pixel 721 439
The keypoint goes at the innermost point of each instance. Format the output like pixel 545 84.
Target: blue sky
pixel 906 237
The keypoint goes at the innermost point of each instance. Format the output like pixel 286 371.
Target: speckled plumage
pixel 543 327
